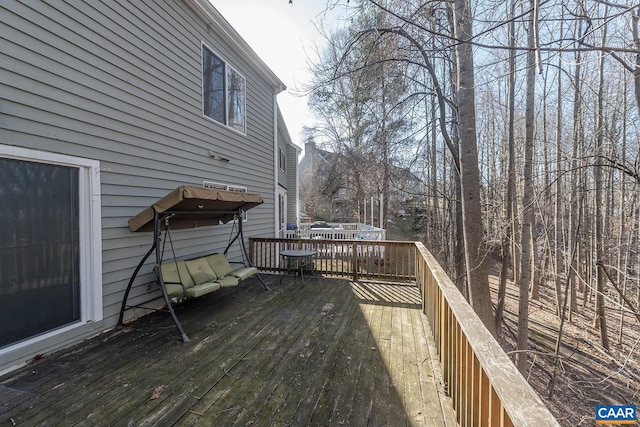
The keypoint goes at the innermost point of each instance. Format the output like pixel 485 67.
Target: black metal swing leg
pixel 130 284
pixel 264 285
pixel 160 278
pixel 181 331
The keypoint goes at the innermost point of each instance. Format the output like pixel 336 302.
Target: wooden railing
pixel 485 387
pixel 337 231
pixel 343 258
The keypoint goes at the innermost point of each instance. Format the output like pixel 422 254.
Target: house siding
pixel 288 179
pixel 120 82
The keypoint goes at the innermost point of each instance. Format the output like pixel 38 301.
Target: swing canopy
pixel 192 207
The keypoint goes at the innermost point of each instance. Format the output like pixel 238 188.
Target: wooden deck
pixel 333 352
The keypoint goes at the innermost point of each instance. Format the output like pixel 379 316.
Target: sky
pixel 285 37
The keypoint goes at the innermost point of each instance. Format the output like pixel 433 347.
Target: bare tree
pixel 477 276
pixel 506 248
pixel 527 203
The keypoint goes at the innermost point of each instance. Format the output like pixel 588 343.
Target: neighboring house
pixel 105 107
pixel 406 190
pixel 287 167
pixel 323 186
pixel 327 194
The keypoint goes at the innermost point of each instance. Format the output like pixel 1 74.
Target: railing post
pixel 354 261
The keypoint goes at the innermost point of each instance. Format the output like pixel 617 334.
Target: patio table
pixel 299 260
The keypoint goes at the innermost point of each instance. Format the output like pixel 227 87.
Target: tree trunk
pixel 511 176
pixel 527 205
pixel 600 319
pixel 636 41
pixel 558 234
pixel 477 277
pixel 461 269
pixel 623 259
pixel 573 239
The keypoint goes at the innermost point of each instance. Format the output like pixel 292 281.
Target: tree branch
pixel 434 78
pixel 633 308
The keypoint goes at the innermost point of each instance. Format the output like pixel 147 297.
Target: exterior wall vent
pixel 214 185
pixel 220 186
pixel 237 189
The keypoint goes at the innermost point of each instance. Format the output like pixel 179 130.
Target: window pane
pixel 213 86
pixel 282 159
pixel 281 211
pixel 39 249
pixel 236 85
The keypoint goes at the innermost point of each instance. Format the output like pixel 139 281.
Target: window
pixel 236 100
pixel 223 92
pixel 49 245
pixel 282 211
pixel 213 86
pixel 282 160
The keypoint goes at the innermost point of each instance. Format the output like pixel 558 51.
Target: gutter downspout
pixel 275 165
pixel 297 191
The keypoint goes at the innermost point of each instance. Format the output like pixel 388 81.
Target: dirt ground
pixel 584 374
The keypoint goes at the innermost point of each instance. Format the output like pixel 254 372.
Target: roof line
pixel 205 10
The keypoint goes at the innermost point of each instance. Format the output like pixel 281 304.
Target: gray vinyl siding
pixel 288 179
pixel 282 174
pixel 284 140
pixel 120 82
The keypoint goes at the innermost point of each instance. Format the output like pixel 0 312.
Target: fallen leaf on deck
pixel 157 392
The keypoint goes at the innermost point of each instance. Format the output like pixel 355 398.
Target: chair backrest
pixel 201 271
pixel 219 265
pixel 173 273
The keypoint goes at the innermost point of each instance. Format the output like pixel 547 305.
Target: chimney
pixel 310 148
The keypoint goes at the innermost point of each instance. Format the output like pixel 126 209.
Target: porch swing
pixel 184 208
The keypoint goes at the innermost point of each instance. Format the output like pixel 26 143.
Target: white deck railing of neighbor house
pixel 337 231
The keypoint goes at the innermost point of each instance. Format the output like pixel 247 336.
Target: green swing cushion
pixel 201 271
pixel 219 265
pixel 228 281
pixel 223 269
pixel 174 273
pixel 243 273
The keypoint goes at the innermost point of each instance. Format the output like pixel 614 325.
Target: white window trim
pixel 281 211
pixel 90 227
pixel 226 94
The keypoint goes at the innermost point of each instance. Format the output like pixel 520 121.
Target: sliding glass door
pixel 39 248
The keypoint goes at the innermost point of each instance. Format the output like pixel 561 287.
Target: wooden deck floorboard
pixel 333 352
